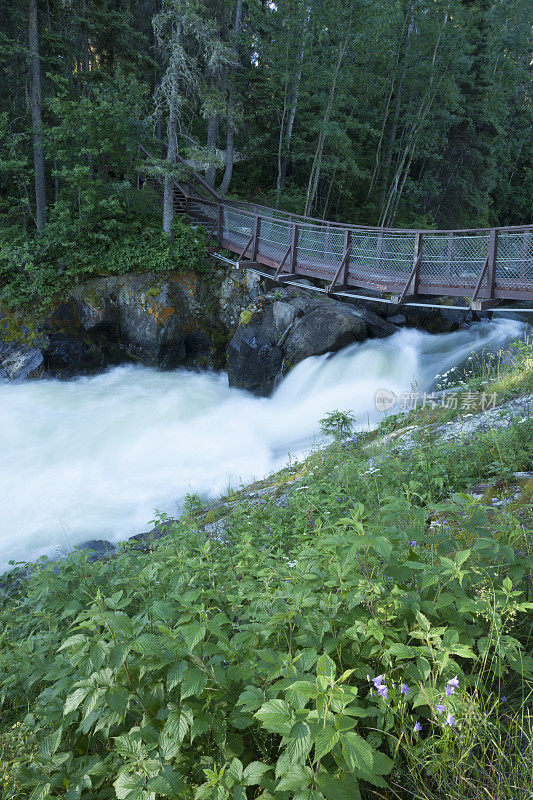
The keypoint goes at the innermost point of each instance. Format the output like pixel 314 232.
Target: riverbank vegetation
pixel 260 96
pixel 358 625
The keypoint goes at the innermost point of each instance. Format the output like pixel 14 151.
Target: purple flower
pixel 453 683
pixel 449 690
pixel 417 728
pixel 404 688
pixel 503 699
pixel 383 691
pixel 440 708
pixel 450 721
pixel 378 680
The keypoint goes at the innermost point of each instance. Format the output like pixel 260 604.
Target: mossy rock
pixel 246 316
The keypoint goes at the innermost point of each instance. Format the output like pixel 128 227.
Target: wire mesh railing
pixel 487 264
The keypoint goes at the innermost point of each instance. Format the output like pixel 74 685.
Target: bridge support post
pixel 489 270
pixel 491 263
pixel 340 281
pixel 294 247
pixel 255 246
pixel 220 223
pixel 411 287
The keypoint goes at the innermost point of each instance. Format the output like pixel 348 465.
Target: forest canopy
pixel 386 112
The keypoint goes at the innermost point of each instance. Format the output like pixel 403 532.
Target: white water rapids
pixel 93 458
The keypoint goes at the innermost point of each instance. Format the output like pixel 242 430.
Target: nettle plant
pixel 238 667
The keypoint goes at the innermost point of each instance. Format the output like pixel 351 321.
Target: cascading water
pixel 93 458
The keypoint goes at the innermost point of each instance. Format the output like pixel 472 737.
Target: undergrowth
pixel 362 631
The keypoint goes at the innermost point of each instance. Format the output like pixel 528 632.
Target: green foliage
pixel 237 667
pixel 338 424
pixel 42 269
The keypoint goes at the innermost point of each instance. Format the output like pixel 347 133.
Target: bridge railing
pixel 483 264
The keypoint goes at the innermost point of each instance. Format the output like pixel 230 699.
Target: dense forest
pixel 388 113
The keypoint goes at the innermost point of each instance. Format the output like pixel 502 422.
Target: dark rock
pixel 99 549
pixel 288 325
pixel 21 364
pixel 143 541
pixel 284 315
pixel 254 360
pixel 436 320
pixel 324 329
pixel 397 319
pixel 157 324
pixel 68 355
pixel 96 306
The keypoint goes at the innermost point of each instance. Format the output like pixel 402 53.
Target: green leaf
pixel 51 743
pixel 382 546
pixel 174 731
pixel 193 682
pixel 325 741
pixel 297 778
pixel 41 791
pixel 129 787
pixel 325 667
pixel 235 770
pixel 299 742
pixel 345 787
pixel 117 699
pixel 147 644
pixel 73 641
pixel 357 753
pixel 73 700
pixel 276 716
pixel 251 698
pixel 381 764
pixel 461 556
pixel 193 634
pixel 175 673
pixel 254 772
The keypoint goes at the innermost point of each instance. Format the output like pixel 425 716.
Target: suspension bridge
pixel 485 266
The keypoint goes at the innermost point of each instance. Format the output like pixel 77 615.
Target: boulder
pixel 67 355
pixel 96 305
pixel 254 359
pixel 22 363
pixel 397 319
pixel 157 325
pixel 99 549
pixel 237 290
pixel 325 329
pixel 287 325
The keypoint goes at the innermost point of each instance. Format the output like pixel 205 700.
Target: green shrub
pixel 42 269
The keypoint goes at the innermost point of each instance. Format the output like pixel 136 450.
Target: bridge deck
pixel 485 265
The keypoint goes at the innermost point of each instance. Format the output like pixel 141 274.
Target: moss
pixel 246 316
pixel 13 329
pixel 214 514
pixel 154 291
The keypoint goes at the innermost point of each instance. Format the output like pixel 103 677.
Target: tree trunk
pixel 212 131
pixel 172 149
pixel 36 117
pixel 314 176
pixel 230 136
pixel 293 99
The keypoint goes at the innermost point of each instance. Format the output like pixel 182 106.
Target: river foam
pixel 93 458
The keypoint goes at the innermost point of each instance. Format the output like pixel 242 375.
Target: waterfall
pixel 93 458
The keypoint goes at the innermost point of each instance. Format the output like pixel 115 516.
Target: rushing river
pixel 93 458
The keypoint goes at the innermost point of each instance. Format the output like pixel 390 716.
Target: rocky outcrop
pixel 161 320
pixel 224 319
pixel 287 325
